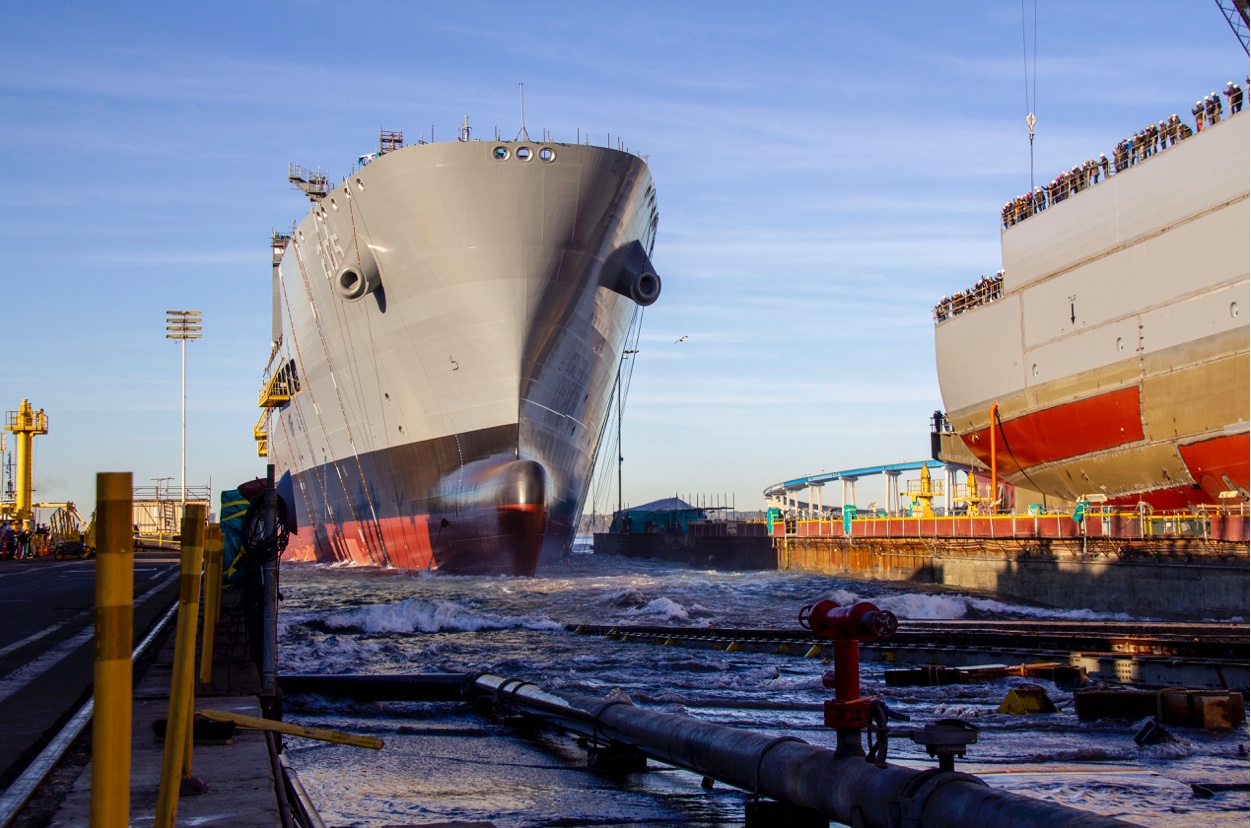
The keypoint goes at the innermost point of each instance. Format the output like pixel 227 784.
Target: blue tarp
pixel 234 507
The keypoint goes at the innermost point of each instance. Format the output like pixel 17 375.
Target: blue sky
pixel 826 172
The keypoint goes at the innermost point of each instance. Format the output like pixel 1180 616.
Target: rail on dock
pixel 1214 526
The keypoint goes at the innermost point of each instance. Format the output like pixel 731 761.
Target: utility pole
pixel 183 325
pixel 620 456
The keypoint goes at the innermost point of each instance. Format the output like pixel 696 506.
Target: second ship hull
pixel 1117 355
pixel 453 316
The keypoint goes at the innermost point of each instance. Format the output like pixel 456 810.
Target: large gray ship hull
pixel 450 322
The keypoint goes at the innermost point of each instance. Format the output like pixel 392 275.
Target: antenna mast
pixel 522 132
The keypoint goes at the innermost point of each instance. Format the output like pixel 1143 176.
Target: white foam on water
pixel 921 605
pixel 415 615
pixel 950 606
pixel 841 597
pixel 662 608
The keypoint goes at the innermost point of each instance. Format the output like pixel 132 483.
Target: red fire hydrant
pixel 847 712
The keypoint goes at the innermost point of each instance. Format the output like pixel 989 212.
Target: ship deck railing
pixel 1129 153
pixel 1218 525
pixel 985 291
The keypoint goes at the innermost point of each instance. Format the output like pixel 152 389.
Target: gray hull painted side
pixel 492 312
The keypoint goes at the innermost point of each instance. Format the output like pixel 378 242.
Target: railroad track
pixel 15 797
pixel 1206 655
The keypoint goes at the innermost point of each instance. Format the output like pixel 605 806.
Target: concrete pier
pixel 1146 579
pixel 46 674
pixel 239 778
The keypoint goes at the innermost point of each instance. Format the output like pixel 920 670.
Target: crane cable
pixel 1031 95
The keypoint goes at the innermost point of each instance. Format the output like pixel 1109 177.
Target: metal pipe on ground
pixel 301 802
pixel 285 813
pixel 789 770
pixel 783 768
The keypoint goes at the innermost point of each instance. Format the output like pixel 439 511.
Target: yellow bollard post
pixel 114 639
pixel 176 765
pixel 212 597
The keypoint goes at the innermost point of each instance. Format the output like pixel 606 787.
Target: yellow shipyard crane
pixel 25 424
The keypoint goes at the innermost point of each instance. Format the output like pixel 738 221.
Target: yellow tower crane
pixel 25 423
pixel 922 493
pixel 971 494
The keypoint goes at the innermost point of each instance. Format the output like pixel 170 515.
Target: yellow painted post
pixel 189 723
pixel 212 597
pixel 114 640
pixel 176 764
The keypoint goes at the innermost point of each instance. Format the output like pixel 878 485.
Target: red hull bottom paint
pixel 1220 465
pixel 488 518
pixel 1106 421
pixel 407 543
pixel 1062 431
pixel 516 529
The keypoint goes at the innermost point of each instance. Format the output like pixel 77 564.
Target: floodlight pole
pixel 183 325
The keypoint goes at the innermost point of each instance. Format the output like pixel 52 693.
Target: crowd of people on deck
pixel 987 290
pixel 1133 150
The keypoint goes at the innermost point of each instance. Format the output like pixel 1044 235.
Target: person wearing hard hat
pixel 1198 111
pixel 1234 92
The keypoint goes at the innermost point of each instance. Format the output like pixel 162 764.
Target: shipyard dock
pixel 1090 555
pixel 1194 565
pixel 46 644
pixel 46 701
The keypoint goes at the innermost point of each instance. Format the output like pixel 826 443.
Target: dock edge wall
pixel 1180 578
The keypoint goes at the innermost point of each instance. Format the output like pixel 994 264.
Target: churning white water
pixel 445 761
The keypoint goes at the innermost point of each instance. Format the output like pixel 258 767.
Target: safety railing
pixel 985 291
pixel 1149 141
pixel 1217 524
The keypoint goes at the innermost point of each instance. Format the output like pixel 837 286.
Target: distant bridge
pixel 784 495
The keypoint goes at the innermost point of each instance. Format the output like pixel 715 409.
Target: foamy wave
pixel 920 605
pixel 841 597
pixel 665 608
pixel 415 615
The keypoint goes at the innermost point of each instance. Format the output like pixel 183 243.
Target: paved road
pixel 45 643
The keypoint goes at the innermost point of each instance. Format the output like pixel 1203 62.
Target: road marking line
pixel 17 645
pixel 36 569
pixel 27 673
pixel 24 675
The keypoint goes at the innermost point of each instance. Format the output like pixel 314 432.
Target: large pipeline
pixel 784 768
